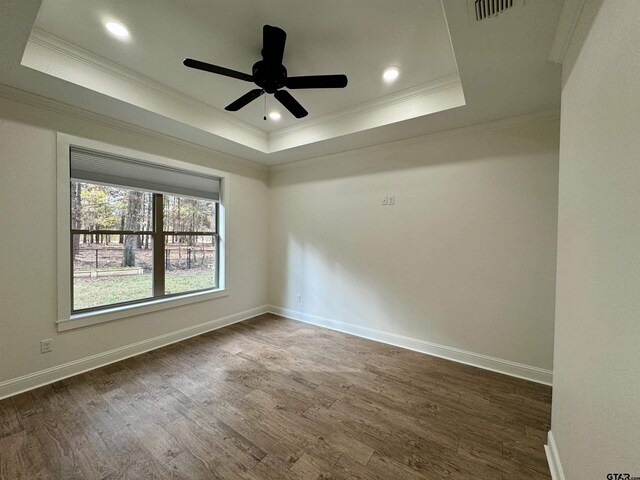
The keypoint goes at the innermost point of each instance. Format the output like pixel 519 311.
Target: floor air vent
pixel 484 9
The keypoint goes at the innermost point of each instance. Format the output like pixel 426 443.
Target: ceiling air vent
pixel 480 10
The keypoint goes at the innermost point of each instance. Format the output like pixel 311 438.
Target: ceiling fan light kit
pixel 270 75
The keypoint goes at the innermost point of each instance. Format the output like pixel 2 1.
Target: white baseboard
pixel 553 458
pixel 526 372
pixel 40 378
pixel 37 379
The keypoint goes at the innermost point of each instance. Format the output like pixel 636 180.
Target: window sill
pixel 107 315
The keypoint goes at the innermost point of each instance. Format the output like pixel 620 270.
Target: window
pixel 138 232
pixel 132 245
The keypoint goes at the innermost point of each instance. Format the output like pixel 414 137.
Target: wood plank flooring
pixel 272 398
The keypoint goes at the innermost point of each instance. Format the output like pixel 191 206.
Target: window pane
pixel 190 263
pixel 188 215
pixel 110 269
pixel 99 207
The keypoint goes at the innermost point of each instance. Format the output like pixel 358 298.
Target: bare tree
pixel 76 218
pixel 121 239
pixel 149 223
pixel 132 222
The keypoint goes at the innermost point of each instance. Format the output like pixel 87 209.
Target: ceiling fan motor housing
pixel 268 76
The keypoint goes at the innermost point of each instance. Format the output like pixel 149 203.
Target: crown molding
pixel 63 47
pixel 44 103
pixel 225 125
pixel 53 55
pixel 442 94
pixel 484 127
pixel 414 93
pixel 569 18
pixel 28 98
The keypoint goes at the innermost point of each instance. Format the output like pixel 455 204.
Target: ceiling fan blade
pixel 317 81
pixel 207 67
pixel 273 40
pixel 290 103
pixel 244 100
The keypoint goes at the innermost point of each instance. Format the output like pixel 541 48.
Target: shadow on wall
pixel 366 290
pixel 465 257
pixel 589 12
pixel 316 277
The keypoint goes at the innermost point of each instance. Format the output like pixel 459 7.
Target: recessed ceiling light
pixel 390 74
pixel 275 115
pixel 117 30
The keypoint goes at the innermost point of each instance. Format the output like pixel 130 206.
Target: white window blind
pixel 99 167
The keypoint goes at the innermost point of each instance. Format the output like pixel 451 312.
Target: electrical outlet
pixel 385 200
pixel 299 299
pixel 46 346
pixel 391 199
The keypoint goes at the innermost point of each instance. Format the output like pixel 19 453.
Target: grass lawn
pixel 94 292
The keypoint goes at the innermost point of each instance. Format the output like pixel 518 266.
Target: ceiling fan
pixel 270 75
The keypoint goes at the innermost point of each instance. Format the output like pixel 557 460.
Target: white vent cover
pixel 480 10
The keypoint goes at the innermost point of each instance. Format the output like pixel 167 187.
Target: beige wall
pixel 465 258
pixel 596 398
pixel 28 241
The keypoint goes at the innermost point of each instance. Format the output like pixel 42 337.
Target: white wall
pixel 465 258
pixel 596 397
pixel 28 240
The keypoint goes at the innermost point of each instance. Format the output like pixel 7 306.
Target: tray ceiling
pixel 359 38
pixel 60 50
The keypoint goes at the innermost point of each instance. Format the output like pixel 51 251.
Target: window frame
pixel 68 318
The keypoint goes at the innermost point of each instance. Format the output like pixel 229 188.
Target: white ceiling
pixel 501 64
pixel 359 38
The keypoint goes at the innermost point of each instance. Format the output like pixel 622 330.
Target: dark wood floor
pixel 277 399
